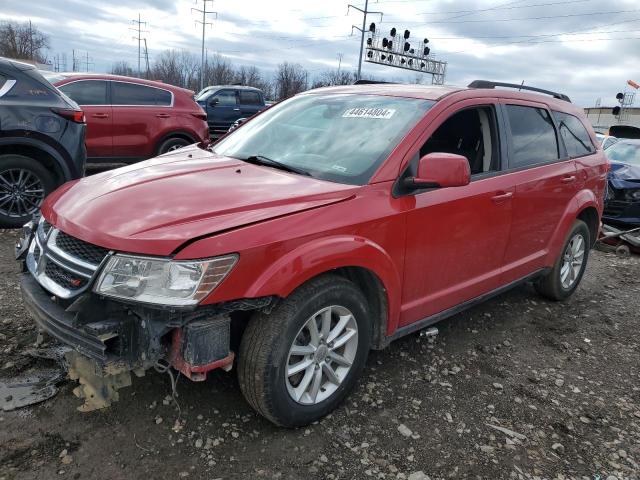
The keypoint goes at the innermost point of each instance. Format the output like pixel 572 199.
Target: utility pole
pixel 87 57
pixel 362 30
pixel 204 23
pixel 139 22
pixel 73 65
pixel 30 41
pixel 146 57
pixel 340 55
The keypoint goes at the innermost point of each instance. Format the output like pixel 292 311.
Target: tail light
pixel 76 116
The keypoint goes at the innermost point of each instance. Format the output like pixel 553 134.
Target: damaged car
pixel 622 204
pixel 333 223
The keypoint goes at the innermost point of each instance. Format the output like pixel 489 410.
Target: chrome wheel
pixel 174 147
pixel 21 192
pixel 572 261
pixel 321 355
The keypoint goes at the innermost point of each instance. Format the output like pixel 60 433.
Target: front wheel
pixel 173 144
pixel 299 362
pixel 569 268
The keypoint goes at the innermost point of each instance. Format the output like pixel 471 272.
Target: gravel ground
pixel 518 387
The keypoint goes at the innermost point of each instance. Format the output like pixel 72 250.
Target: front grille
pixel 46 227
pixel 77 248
pixel 615 208
pixel 36 253
pixel 63 277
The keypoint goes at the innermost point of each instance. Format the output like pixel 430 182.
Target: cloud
pixel 580 47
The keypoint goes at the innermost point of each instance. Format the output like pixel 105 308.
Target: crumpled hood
pixel 155 206
pixel 624 175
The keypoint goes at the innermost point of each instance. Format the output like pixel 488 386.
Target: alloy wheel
pixel 21 192
pixel 321 355
pixel 572 261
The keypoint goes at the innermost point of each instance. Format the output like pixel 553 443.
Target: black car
pixel 622 203
pixel 224 104
pixel 41 141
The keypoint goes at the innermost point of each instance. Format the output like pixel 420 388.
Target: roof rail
pixel 369 82
pixel 490 84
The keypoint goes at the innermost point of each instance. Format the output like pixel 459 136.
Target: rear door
pixel 140 115
pixel 250 102
pixel 93 98
pixel 222 110
pixel 546 182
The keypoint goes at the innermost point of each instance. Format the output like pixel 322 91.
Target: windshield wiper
pixel 262 160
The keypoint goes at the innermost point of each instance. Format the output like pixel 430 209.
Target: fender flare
pixel 325 254
pixel 35 142
pixel 582 200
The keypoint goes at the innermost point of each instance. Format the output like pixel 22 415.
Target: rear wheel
pixel 299 362
pixel 172 144
pixel 569 268
pixel 24 183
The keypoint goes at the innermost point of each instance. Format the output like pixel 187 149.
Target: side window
pixel 249 97
pixel 471 133
pixel 533 136
pixel 575 136
pixel 87 92
pixel 226 97
pixel 123 93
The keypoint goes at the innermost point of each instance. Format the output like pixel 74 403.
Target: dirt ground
pixel 518 387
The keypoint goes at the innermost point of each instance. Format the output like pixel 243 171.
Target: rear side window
pixel 247 97
pixel 575 136
pixel 533 136
pixel 134 94
pixel 87 92
pixel 226 97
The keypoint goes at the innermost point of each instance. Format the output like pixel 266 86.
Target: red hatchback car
pixel 330 224
pixel 131 119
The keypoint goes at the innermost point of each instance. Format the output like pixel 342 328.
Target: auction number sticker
pixel 360 112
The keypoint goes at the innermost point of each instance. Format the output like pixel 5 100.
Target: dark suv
pixel 41 141
pixel 225 104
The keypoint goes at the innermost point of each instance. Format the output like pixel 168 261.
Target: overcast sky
pixel 587 49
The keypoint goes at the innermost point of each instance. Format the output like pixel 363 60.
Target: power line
pixel 204 23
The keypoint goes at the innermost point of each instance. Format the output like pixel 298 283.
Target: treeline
pixel 182 68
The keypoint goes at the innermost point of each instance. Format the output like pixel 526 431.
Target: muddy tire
pixel 565 276
pixel 292 375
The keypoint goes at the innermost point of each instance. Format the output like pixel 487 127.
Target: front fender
pixel 582 200
pixel 325 254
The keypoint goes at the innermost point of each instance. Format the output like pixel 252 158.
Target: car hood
pixel 155 206
pixel 624 175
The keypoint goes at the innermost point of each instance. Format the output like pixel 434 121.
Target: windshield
pixel 338 137
pixel 624 152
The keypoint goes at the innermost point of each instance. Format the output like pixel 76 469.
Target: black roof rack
pixel 369 82
pixel 490 84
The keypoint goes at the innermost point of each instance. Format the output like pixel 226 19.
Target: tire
pixel 554 285
pixel 173 143
pixel 24 184
pixel 265 355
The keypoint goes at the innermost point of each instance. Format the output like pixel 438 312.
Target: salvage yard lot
pixel 561 379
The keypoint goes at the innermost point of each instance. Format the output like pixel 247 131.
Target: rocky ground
pixel 516 388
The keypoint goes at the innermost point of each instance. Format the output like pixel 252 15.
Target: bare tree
pixel 122 68
pixel 252 77
pixel 23 41
pixel 291 78
pixel 177 67
pixel 218 71
pixel 334 77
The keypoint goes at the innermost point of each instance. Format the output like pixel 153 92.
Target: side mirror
pixel 441 170
pixel 213 102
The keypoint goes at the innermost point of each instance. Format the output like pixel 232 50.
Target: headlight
pixel 633 194
pixel 160 281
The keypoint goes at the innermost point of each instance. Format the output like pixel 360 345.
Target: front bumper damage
pixel 110 340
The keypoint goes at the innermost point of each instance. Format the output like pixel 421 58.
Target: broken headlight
pixel 162 281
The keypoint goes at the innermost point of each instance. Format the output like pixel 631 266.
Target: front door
pixel 222 110
pixel 457 237
pixel 93 98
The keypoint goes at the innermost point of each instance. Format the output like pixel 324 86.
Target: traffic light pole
pixel 362 30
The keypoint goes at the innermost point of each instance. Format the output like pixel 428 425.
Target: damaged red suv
pixel 331 224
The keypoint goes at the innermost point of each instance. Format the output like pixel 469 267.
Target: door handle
pixel 236 109
pixel 163 115
pixel 568 179
pixel 502 196
pixel 100 115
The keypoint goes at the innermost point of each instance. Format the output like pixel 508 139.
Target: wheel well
pixel 37 154
pixel 590 216
pixel 373 289
pixel 169 136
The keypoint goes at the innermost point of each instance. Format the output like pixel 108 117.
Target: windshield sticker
pixel 360 112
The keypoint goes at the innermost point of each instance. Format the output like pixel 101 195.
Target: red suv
pixel 330 224
pixel 130 119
